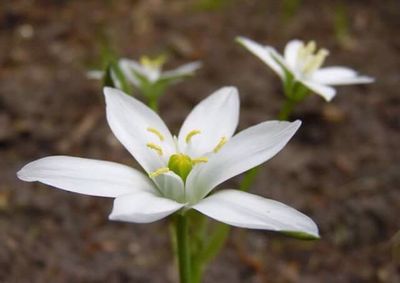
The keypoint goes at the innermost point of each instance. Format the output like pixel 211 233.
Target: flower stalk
pixel 183 248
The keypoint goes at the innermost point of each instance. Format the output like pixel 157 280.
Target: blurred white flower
pixel 302 63
pixel 181 171
pixel 149 71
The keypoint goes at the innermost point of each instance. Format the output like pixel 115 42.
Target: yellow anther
pixel 220 144
pixel 310 47
pixel 191 134
pixel 199 160
pixel 155 147
pixel 159 172
pixel 155 63
pixel 305 51
pixel 156 132
pixel 316 61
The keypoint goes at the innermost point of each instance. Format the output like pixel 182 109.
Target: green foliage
pixel 341 24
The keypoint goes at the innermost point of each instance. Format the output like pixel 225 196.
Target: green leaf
pixel 119 81
pixel 215 242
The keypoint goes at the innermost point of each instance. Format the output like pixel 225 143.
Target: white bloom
pixel 150 71
pixel 303 62
pixel 181 171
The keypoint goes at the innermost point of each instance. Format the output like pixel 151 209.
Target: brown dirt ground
pixel 342 168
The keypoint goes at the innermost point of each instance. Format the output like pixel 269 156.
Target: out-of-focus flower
pixel 301 64
pixel 149 71
pixel 181 171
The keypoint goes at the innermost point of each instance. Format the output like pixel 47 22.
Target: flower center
pixel 153 63
pixel 309 59
pixel 180 163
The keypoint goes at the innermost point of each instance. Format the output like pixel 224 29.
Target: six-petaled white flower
pixel 149 71
pixel 302 63
pixel 182 171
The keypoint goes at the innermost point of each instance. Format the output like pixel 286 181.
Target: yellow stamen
pixel 155 147
pixel 199 160
pixel 310 47
pixel 159 172
pixel 191 134
pixel 154 63
pixel 220 144
pixel 156 132
pixel 305 51
pixel 316 61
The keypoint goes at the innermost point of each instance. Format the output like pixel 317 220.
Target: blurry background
pixel 342 168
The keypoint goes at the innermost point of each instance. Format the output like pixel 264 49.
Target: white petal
pixel 133 69
pixel 171 186
pixel 86 176
pixel 215 117
pixel 246 210
pixel 244 151
pixel 263 53
pixel 129 68
pixel 130 119
pixel 325 91
pixel 182 71
pixel 143 207
pixel 339 76
pixel 292 51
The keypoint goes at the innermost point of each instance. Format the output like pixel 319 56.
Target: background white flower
pixel 181 171
pixel 147 74
pixel 149 71
pixel 303 62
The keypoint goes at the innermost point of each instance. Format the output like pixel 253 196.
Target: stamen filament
pixel 155 147
pixel 159 172
pixel 220 144
pixel 156 132
pixel 199 160
pixel 189 136
pixel 310 47
pixel 316 61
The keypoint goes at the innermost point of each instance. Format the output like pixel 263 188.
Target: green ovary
pixel 180 164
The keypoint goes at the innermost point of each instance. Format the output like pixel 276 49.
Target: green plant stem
pixel 183 248
pixel 249 179
pixel 153 103
pixel 251 175
pixel 286 109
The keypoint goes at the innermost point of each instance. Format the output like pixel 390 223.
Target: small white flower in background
pixel 149 71
pixel 302 63
pixel 182 171
pixel 147 75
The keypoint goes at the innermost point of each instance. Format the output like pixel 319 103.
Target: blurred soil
pixel 342 168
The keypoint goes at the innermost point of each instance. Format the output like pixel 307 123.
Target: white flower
pixel 181 171
pixel 303 62
pixel 149 71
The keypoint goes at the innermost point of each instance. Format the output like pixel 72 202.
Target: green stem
pixel 249 179
pixel 182 238
pixel 251 175
pixel 153 103
pixel 286 109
